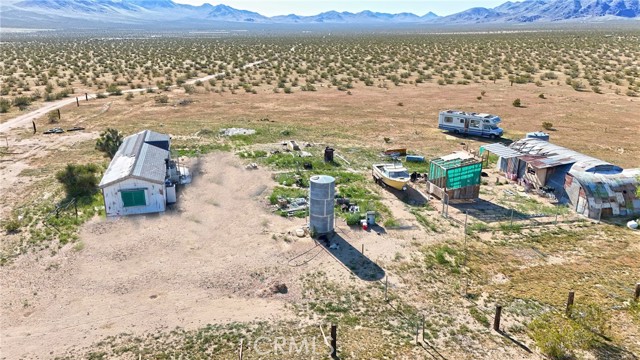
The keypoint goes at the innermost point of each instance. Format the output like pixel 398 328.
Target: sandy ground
pixel 209 260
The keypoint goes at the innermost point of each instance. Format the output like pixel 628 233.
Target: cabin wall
pixel 155 196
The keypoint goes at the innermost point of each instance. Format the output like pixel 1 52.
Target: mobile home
pixel 460 122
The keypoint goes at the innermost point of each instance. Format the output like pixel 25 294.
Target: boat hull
pixel 398 184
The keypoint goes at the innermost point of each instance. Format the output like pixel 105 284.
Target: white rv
pixel 460 122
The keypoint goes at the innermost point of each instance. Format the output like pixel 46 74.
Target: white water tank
pixel 322 191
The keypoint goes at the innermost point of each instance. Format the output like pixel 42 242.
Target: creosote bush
pixel 79 180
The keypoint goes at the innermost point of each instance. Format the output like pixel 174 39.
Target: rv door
pixel 466 126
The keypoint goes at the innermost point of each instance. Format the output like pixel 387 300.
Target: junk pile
pixel 347 206
pixel 291 205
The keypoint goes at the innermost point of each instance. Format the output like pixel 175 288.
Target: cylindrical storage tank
pixel 322 191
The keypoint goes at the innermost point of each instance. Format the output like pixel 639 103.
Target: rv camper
pixel 460 122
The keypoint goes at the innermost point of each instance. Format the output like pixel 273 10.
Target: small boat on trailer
pixel 392 175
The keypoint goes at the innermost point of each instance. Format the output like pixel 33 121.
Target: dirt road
pixel 25 119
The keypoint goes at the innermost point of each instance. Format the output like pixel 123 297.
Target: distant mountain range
pixel 96 13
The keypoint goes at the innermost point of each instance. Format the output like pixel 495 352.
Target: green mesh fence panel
pixel 464 176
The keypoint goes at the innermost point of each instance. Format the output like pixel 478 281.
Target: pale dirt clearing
pixel 212 259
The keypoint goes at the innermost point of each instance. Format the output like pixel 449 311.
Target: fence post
pixel 59 114
pixel 86 96
pixel 240 354
pixel 496 320
pixel 386 287
pixel 77 101
pixel 334 341
pixel 570 302
pixel 636 296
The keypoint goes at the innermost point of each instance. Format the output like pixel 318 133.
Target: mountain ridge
pixel 150 12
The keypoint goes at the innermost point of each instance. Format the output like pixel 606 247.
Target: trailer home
pixel 464 123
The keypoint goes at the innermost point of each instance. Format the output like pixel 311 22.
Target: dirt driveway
pixel 205 262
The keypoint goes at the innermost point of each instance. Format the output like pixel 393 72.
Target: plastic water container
pixel 415 158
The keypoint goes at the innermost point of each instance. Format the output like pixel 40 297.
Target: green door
pixel 133 198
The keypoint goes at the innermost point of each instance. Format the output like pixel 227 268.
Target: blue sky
pixel 312 7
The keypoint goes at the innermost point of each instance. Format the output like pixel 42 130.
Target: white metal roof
pixel 561 155
pixel 136 158
pixel 502 151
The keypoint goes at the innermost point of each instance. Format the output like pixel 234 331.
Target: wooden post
pixel 334 341
pixel 58 114
pixel 86 97
pixel 570 302
pixel 496 320
pixel 386 287
pixel 240 355
pixel 636 296
pixel 77 101
pixel 75 205
pixel 362 249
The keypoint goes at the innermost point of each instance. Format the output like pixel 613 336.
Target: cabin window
pixel 448 119
pixel 487 127
pixel 474 123
pixel 133 198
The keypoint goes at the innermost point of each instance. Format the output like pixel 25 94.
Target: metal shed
pixel 604 195
pixel 134 182
pixel 507 158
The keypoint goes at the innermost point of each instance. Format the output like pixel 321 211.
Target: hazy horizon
pixel 285 7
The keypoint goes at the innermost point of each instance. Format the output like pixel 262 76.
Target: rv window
pixel 448 119
pixel 461 121
pixel 487 127
pixel 474 123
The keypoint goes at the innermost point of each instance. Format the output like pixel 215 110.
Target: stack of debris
pixel 291 205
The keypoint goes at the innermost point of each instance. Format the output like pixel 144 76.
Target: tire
pixel 492 137
pixel 457 132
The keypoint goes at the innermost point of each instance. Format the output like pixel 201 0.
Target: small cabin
pixel 137 180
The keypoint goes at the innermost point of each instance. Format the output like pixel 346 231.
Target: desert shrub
pixel 12 225
pixel 4 105
pixel 189 89
pixel 547 125
pixel 517 103
pixel 109 141
pixel 52 116
pixel 114 90
pixel 79 180
pixel 161 99
pixel 21 102
pixel 129 96
pixel 353 219
pixel 541 96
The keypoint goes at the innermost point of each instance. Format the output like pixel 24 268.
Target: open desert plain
pixel 227 272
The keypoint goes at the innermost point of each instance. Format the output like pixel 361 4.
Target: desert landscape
pixel 226 266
